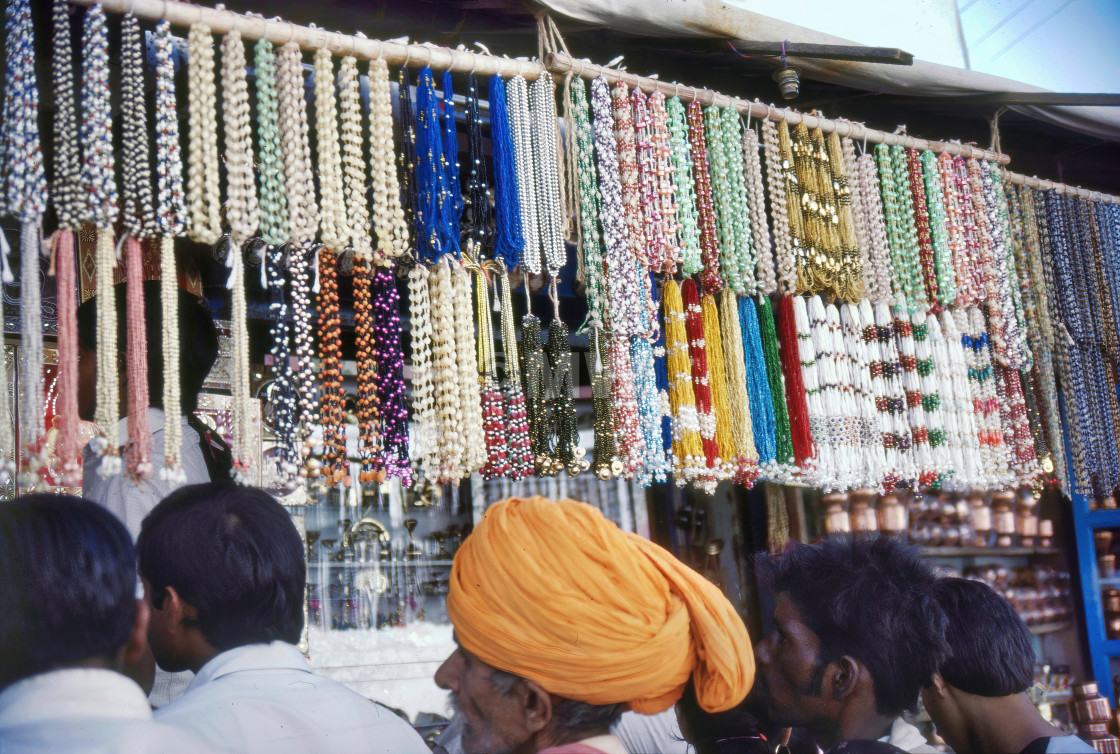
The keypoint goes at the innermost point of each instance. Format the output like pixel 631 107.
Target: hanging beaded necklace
pixel 24 187
pixel 796 396
pixel 756 198
pixel 891 398
pixel 565 443
pixel 877 273
pixel 902 235
pixel 922 222
pixel 604 462
pixel 665 406
pixel 872 467
pixel 660 191
pixel 758 387
pixel 451 163
pixel 203 195
pixel 424 422
pixel 517 97
pixel 66 196
pixel 509 239
pixel 138 218
pixel 1003 288
pixel 820 465
pixel 961 434
pixel 101 209
pixel 493 411
pixel 171 213
pixel 734 465
pixel 634 227
pixel 303 221
pixel 546 178
pixel 388 215
pixel 654 465
pixel 701 386
pixel 688 449
pixel 919 429
pixel 536 391
pixel 730 200
pixel 782 439
pixel 590 249
pixel 688 232
pixel 953 203
pixel 624 310
pixel 849 275
pixel 521 452
pixel 334 234
pixel 861 229
pixel 390 387
pixel 938 228
pixel 994 452
pixel 274 231
pixel 470 398
pixel 738 395
pixel 435 225
pixel 929 385
pixel 777 165
pixel 446 460
pixel 243 217
pixel 970 274
pixel 705 202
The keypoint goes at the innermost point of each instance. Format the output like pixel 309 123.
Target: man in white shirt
pixel 69 626
pixel 224 576
pixel 131 499
pixel 127 498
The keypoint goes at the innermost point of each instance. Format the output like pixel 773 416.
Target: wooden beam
pixel 858 53
pixel 1069 99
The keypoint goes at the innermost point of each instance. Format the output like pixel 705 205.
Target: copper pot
pixel 863 514
pixel 836 518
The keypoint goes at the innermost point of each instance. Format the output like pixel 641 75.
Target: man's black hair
pixel 234 554
pixel 733 731
pixel 198 340
pixel 990 649
pixel 869 598
pixel 67 584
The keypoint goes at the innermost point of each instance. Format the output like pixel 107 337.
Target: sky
pixel 1061 45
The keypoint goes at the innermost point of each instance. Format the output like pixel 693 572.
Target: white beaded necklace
pixel 877 269
pixel 243 216
pixel 423 440
pixel 470 396
pixel 446 463
pixel 776 181
pixel 353 164
pixel 171 212
pixel 872 467
pixel 388 215
pixel 961 437
pixel 333 225
pixel 756 198
pixel 203 186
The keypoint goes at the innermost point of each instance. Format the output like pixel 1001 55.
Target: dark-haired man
pixel 855 640
pixel 977 698
pixel 70 624
pixel 202 457
pixel 224 576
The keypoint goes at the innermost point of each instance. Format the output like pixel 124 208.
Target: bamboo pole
pixel 252 26
pixel 561 63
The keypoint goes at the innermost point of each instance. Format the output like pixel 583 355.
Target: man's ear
pixel 845 673
pixel 537 704
pixel 938 687
pixel 177 612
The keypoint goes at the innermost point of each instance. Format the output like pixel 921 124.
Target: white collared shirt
pixel 131 500
pixel 85 711
pixel 264 699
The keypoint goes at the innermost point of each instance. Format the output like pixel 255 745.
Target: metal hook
pixel 407 55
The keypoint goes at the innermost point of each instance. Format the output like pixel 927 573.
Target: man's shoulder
pixel 1067 745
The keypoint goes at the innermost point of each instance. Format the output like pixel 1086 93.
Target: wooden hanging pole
pixel 312 38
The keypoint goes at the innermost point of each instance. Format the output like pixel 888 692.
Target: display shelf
pixel 1041 629
pixel 993 552
pixel 1103 518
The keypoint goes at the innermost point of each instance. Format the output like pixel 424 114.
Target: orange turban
pixel 555 593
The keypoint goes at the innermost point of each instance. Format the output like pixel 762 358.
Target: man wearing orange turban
pixel 563 621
